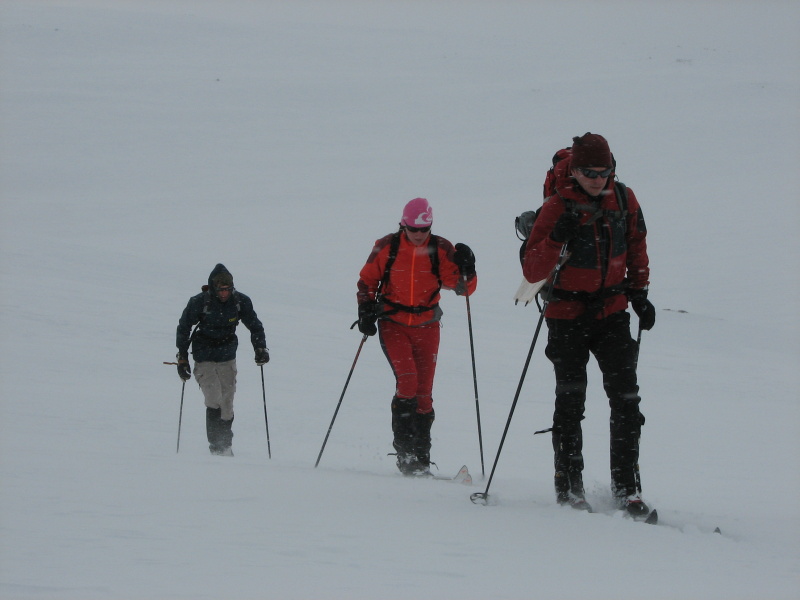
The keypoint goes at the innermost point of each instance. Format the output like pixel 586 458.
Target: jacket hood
pixel 219 275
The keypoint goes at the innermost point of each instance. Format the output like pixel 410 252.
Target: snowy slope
pixel 143 142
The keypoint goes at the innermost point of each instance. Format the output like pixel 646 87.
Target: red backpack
pixel 549 187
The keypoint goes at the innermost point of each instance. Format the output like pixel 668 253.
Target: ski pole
pixel 266 422
pixel 638 347
pixel 475 380
pixel 180 418
pixel 336 412
pixel 483 497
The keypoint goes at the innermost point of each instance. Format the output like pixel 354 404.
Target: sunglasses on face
pixel 418 229
pixel 224 289
pixel 592 174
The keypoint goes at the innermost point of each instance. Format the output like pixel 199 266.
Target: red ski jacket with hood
pixel 609 254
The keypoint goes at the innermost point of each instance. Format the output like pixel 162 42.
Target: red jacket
pixel 604 254
pixel 411 280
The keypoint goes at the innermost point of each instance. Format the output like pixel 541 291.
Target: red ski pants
pixel 411 352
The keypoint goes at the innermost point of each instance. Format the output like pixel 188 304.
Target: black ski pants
pixel 569 345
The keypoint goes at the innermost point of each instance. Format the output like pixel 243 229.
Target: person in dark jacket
pixel 607 267
pixel 216 312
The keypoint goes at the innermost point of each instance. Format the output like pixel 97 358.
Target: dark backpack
pixel 524 222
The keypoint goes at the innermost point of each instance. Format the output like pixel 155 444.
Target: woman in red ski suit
pixel 398 296
pixel 607 265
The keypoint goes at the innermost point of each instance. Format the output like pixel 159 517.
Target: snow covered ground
pixel 143 142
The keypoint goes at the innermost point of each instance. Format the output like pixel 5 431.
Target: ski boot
pixel 219 433
pixel 626 488
pixel 403 411
pixel 421 442
pixel 568 479
pixel 569 490
pixel 633 506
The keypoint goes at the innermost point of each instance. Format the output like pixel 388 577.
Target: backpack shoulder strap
pixel 622 197
pixel 238 300
pixel 433 252
pixel 203 313
pixel 394 246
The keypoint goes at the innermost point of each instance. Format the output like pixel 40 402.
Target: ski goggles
pixel 418 229
pixel 592 174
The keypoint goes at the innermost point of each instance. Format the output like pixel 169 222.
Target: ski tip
pixel 463 476
pixel 717 530
pixel 652 518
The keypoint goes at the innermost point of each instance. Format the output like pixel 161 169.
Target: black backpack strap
pixel 433 254
pixel 397 307
pixel 394 246
pixel 622 197
pixel 203 313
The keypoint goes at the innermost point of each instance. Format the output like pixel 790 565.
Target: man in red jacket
pixel 398 296
pixel 607 267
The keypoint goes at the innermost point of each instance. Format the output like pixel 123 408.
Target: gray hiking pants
pixel 217 381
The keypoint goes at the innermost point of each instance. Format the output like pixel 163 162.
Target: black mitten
pixel 643 308
pixel 184 370
pixel 465 259
pixel 566 228
pixel 368 317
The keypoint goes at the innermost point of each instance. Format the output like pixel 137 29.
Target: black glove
pixel 465 259
pixel 566 227
pixel 643 308
pixel 262 356
pixel 184 370
pixel 368 316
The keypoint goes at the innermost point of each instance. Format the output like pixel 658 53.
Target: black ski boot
pixel 626 487
pixel 421 442
pixel 568 478
pixel 626 483
pixel 403 416
pixel 219 433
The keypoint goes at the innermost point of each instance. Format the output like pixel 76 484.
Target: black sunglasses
pixel 418 229
pixel 592 174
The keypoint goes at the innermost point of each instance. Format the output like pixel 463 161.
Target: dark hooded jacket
pixel 214 339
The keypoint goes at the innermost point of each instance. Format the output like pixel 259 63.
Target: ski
pixel 463 476
pixel 526 292
pixel 650 518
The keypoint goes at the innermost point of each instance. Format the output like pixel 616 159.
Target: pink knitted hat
pixel 417 213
